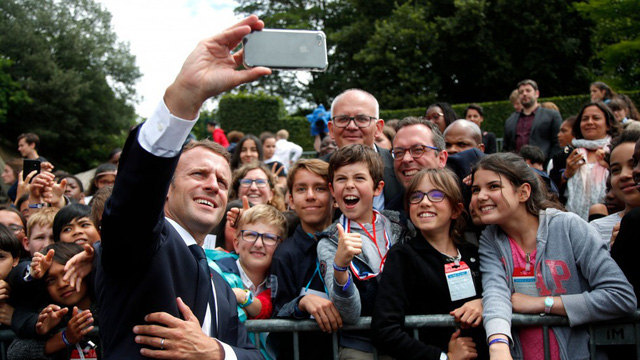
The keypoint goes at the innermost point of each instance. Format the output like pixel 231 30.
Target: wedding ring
pixel 162 344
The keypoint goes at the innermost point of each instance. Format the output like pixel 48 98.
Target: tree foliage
pixel 66 57
pixel 616 40
pixel 411 53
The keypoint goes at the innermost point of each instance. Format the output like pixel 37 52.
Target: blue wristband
pixel 499 340
pixel 346 286
pixel 64 339
pixel 340 268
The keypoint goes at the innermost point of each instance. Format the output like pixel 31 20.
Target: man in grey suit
pixel 533 125
pixel 355 120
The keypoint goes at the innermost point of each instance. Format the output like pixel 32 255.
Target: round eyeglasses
pixel 433 196
pixel 416 151
pixel 268 239
pixel 361 121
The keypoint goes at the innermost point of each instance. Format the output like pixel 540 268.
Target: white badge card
pixel 459 280
pixel 524 282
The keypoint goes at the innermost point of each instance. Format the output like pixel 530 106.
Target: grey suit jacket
pixel 544 132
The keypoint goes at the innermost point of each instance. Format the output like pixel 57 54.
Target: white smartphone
pixel 286 49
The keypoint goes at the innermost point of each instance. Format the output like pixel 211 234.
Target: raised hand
pixel 40 264
pixel 50 317
pixel 211 69
pixel 79 266
pixel 349 245
pixel 80 325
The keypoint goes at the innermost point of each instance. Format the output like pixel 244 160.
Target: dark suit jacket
pixel 145 265
pixel 391 185
pixel 544 132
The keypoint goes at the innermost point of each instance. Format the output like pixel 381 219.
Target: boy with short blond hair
pixel 40 230
pixel 352 251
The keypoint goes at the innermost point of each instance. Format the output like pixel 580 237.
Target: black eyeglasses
pixel 267 238
pixel 360 120
pixel 259 182
pixel 416 151
pixel 433 196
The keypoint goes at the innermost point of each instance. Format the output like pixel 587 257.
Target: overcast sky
pixel 161 34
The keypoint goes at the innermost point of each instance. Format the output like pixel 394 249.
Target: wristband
pixel 340 268
pixel 248 300
pixel 64 338
pixel 564 176
pixel 499 340
pixel 346 286
pixel 37 206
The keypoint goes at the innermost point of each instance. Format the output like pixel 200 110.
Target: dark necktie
pixel 204 296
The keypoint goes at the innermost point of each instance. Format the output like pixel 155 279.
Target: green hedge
pixel 257 113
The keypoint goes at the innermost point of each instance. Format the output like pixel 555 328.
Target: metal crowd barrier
pixel 624 331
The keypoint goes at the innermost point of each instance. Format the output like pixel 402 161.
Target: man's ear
pixel 379 126
pixel 442 158
pixel 331 134
pixel 481 147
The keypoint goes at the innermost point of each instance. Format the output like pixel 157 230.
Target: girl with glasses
pixel 434 273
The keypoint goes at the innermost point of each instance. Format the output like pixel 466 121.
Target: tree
pixel 66 57
pixel 411 53
pixel 616 40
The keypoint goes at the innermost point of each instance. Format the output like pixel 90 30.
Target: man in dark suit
pixel 355 120
pixel 533 125
pixel 157 296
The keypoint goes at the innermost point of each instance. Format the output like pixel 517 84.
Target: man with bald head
pixel 462 135
pixel 355 119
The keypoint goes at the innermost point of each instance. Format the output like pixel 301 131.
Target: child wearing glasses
pixel 260 229
pixel 433 273
pixel 352 252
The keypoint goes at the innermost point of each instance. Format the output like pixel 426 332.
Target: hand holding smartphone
pixel 286 49
pixel 28 166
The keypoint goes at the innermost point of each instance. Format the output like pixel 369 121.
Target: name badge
pixel 459 280
pixel 524 282
pixel 87 354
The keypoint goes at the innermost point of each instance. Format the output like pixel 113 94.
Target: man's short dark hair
pixel 30 138
pixel 528 82
pixel 438 138
pixel 356 153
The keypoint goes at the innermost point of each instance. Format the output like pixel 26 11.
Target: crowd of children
pixel 533 258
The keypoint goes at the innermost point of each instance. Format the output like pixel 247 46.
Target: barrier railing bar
pixel 296 346
pixel 545 342
pixel 637 341
pixel 592 343
pixel 334 344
